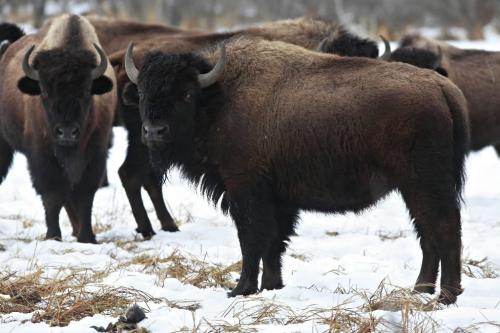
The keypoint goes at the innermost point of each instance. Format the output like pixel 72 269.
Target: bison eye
pixel 141 94
pixel 44 94
pixel 187 97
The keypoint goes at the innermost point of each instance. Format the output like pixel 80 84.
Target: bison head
pixel 169 90
pixel 344 43
pixel 419 57
pixel 65 80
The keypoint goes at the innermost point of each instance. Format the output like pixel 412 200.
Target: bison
pixel 58 99
pixel 9 33
pixel 268 129
pixel 136 173
pixel 475 72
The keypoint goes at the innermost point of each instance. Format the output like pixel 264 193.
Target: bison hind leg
pixel 436 215
pixel 286 218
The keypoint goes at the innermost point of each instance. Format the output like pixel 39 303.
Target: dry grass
pixel 188 270
pixel 66 297
pixel 478 327
pixel 415 309
pixel 479 269
pixel 389 235
pixel 244 315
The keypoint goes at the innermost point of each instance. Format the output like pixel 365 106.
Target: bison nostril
pixel 59 132
pixel 74 132
pixel 161 130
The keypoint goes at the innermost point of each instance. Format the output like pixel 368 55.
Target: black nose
pixel 154 132
pixel 67 133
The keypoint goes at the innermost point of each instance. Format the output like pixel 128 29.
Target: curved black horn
pixel 27 69
pixel 103 64
pixel 211 77
pixel 130 69
pixel 387 52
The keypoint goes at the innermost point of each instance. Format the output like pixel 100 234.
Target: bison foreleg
pixel 73 218
pixel 132 176
pixel 153 187
pixel 52 202
pixel 254 217
pixel 82 203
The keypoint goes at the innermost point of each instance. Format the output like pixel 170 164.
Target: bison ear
pixel 441 71
pixel 28 86
pixel 130 95
pixel 101 85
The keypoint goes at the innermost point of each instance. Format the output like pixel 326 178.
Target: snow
pixel 332 262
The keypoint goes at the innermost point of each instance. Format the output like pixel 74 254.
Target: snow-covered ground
pixel 334 265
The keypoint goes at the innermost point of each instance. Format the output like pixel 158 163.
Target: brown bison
pixel 115 34
pixel 57 107
pixel 135 173
pixel 269 129
pixel 475 72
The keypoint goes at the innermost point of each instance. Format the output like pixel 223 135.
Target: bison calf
pixel 270 129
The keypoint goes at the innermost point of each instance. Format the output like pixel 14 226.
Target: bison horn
pixel 387 52
pixel 439 58
pixel 103 64
pixel 27 69
pixel 211 77
pixel 130 69
pixel 322 45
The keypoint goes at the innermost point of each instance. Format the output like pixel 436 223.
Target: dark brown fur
pixel 286 129
pixel 477 74
pixel 307 32
pixel 63 176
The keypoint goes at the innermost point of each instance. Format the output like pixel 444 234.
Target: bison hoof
pixel 146 234
pixel 170 227
pixel 53 237
pixel 271 281
pixel 244 289
pixel 449 295
pixel 424 288
pixel 86 239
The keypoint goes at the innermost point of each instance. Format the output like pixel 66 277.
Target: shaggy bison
pixel 269 129
pixel 475 72
pixel 57 107
pixel 135 173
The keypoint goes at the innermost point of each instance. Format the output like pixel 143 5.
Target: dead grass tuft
pixel 247 313
pixel 390 298
pixel 73 296
pixel 479 269
pixel 189 270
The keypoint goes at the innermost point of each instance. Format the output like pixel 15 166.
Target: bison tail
pixel 10 32
pixel 461 134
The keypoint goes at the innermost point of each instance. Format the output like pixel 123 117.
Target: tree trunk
pixel 38 13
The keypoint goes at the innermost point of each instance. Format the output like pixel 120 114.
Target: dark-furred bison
pixel 57 104
pixel 475 72
pixel 135 173
pixel 269 129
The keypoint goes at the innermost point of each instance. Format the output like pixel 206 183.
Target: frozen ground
pixel 339 272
